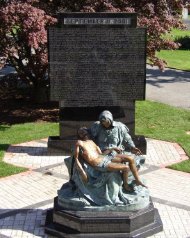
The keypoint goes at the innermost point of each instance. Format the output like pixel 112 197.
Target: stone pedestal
pixel 114 224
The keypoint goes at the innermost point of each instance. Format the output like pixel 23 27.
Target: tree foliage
pixel 23 40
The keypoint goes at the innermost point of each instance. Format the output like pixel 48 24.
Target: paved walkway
pixel 187 23
pixel 25 197
pixel 170 87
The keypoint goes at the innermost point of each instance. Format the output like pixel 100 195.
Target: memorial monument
pixel 98 62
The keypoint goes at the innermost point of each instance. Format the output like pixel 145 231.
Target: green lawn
pixel 176 33
pixel 163 122
pixel 160 121
pixel 154 120
pixel 178 59
pixel 21 133
pixel 183 166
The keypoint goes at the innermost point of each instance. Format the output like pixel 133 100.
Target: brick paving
pixel 25 197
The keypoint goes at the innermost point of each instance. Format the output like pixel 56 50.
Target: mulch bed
pixel 14 110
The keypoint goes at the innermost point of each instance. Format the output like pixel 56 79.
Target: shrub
pixel 184 42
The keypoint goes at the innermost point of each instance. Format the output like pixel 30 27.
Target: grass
pixel 178 59
pixel 160 121
pixel 176 33
pixel 183 166
pixel 163 122
pixel 21 133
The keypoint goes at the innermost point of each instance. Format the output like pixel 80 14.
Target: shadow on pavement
pixel 26 220
pixel 30 150
pixel 156 77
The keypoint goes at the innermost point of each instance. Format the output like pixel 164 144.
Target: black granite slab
pixel 93 66
pixel 96 60
pixel 139 224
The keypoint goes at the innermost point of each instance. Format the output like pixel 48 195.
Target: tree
pixel 23 41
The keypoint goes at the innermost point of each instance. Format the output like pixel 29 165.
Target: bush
pixel 184 42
